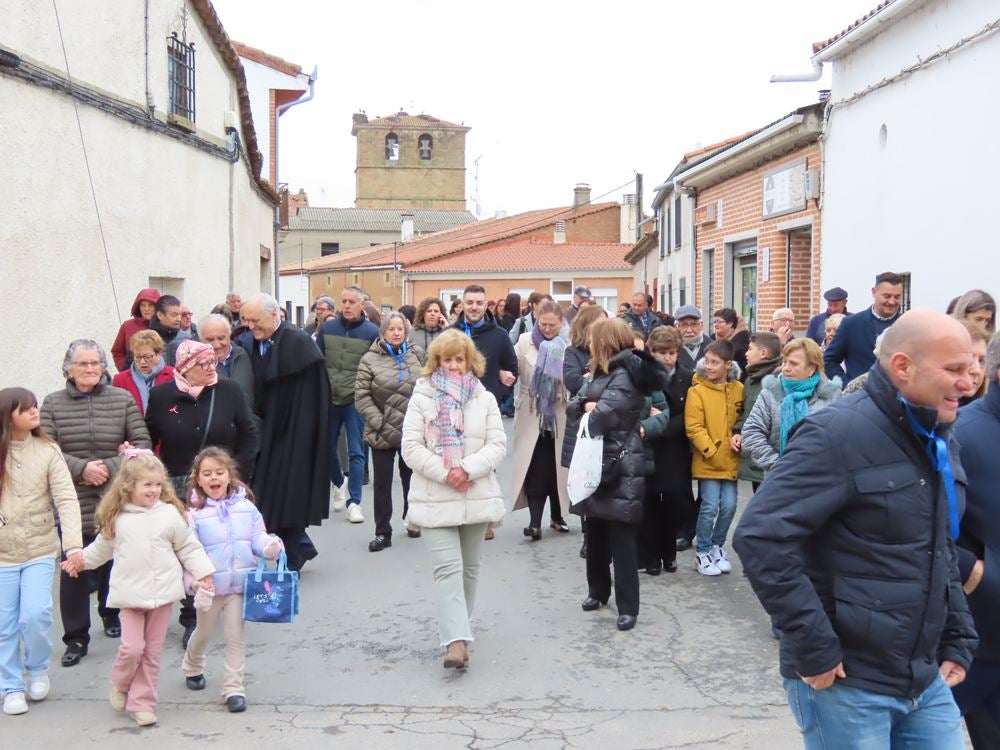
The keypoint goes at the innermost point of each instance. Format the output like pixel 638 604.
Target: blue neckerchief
pixel 399 355
pixel 795 405
pixel 468 329
pixel 937 449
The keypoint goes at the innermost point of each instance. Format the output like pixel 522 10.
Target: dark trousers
pixel 382 470
pixel 74 601
pixel 978 697
pixel 613 542
pixel 299 548
pixel 542 481
pixel 661 513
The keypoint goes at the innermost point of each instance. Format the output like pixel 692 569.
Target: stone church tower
pixel 409 161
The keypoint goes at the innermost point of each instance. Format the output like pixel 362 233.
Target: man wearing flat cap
pixel 836 302
pixel 581 296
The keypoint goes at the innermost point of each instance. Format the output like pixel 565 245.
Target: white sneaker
pixel 705 565
pixel 38 687
pixel 339 497
pixel 718 556
pixel 354 514
pixel 14 703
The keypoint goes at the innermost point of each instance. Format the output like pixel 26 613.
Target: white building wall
pixel 922 200
pixel 169 210
pixel 677 262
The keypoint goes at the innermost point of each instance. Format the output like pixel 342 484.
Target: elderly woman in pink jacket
pixel 453 439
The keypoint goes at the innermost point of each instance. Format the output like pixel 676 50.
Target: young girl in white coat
pixel 33 476
pixel 142 525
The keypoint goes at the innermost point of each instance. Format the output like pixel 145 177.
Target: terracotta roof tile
pixel 454 240
pixel 403 120
pixel 531 255
pixel 820 46
pixel 266 58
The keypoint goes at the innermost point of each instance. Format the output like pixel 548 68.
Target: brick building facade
pixel 756 220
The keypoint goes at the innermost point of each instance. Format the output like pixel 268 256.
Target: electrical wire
pixel 90 176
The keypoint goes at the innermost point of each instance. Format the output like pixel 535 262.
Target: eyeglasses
pixel 688 323
pixel 550 326
pixel 208 365
pixel 185 315
pixel 145 357
pixel 790 321
pixel 88 365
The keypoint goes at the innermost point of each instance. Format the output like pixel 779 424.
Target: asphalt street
pixel 361 667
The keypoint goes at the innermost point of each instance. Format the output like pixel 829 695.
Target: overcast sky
pixel 555 92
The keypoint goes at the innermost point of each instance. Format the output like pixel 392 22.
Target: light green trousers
pixel 455 554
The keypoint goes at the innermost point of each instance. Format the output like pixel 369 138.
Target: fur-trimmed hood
pixel 645 372
pixel 733 374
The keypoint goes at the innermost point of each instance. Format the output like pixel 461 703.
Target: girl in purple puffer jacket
pixel 231 529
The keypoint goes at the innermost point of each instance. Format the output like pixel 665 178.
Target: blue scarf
pixel 144 382
pixel 468 329
pixel 399 355
pixel 937 449
pixel 795 406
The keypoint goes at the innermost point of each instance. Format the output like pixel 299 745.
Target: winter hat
pixel 191 353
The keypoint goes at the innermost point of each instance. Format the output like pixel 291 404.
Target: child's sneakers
pixel 38 687
pixel 118 699
pixel 144 718
pixel 14 703
pixel 718 556
pixel 705 565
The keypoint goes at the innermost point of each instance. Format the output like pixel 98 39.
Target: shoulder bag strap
pixel 208 423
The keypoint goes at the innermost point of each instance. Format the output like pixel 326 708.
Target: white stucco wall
pixel 168 209
pixel 920 202
pixel 677 263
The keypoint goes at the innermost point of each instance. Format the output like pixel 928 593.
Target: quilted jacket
pixel 382 392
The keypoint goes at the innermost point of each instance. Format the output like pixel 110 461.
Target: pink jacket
pixel 233 534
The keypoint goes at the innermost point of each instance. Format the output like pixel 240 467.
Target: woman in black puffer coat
pixel 622 379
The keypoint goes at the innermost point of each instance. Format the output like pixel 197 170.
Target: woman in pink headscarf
pixel 197 409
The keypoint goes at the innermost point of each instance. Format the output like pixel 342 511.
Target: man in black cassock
pixel 292 479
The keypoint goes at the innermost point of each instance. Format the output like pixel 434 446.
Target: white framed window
pixel 606 297
pixel 562 291
pixel 448 296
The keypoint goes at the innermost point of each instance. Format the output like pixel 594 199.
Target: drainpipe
pixel 280 110
pixel 814 75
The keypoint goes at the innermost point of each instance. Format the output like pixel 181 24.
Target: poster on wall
pixel 784 190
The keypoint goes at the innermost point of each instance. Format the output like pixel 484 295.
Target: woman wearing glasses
pixel 197 409
pixel 90 420
pixel 147 369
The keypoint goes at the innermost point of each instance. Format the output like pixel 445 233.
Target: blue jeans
pixel 347 416
pixel 25 615
pixel 718 506
pixel 848 718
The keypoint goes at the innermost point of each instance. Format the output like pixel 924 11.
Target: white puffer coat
pixel 149 548
pixel 433 503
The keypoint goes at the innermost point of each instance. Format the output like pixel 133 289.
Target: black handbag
pixel 612 467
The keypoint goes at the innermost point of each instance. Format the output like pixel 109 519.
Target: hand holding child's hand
pixel 273 548
pixel 205 583
pixel 736 443
pixel 73 565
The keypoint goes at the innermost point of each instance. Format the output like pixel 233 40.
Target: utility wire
pixel 86 161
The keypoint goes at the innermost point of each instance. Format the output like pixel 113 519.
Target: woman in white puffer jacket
pixel 453 439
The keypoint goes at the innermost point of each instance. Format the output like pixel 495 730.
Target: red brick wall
pixel 742 212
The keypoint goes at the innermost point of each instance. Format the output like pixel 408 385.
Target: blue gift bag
pixel 271 595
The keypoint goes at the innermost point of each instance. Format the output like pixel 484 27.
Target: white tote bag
pixel 585 466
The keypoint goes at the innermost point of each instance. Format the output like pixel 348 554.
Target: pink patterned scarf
pixel 451 393
pixel 191 354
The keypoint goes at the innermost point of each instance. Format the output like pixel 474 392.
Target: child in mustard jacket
pixel 714 403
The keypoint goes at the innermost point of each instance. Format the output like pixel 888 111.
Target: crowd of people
pixel 207 450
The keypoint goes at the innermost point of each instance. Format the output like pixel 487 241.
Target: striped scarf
pixel 451 393
pixel 547 379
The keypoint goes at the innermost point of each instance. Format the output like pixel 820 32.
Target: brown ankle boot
pixel 457 656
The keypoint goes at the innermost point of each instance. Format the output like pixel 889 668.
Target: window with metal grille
pixel 180 76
